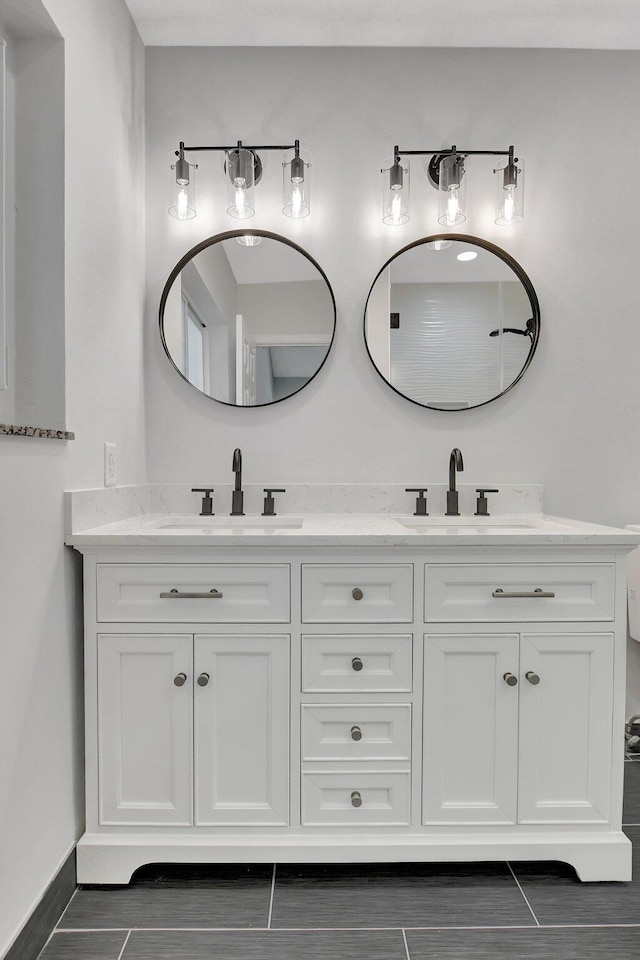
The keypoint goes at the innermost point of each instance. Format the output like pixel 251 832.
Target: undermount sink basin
pixel 478 524
pixel 225 524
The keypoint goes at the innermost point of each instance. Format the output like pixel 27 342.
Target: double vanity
pixel 353 673
pixel 335 686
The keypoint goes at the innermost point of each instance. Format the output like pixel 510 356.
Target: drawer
pixel 349 799
pixel 357 593
pixel 356 732
pixel 356 663
pixel 230 593
pixel 467 592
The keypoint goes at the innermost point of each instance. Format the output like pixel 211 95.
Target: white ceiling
pixel 268 262
pixel 590 24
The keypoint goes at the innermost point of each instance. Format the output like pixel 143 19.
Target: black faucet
pixel 455 463
pixel 237 497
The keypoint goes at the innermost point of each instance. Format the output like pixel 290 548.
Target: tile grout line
pixel 439 926
pixel 126 941
pixel 406 945
pixel 523 894
pixel 273 888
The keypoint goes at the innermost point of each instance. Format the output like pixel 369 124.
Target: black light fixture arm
pixel 397 153
pixel 238 146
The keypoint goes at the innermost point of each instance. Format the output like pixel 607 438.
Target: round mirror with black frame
pixel 451 322
pixel 247 318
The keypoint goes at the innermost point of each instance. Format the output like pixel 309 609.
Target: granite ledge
pixel 13 430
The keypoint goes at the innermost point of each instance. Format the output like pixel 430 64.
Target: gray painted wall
pixel 41 748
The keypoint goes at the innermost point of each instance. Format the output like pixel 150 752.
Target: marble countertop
pixel 349 529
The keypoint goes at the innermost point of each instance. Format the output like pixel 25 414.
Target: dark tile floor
pixel 536 911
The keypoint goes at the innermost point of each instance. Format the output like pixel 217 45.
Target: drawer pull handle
pixel 537 594
pixel 357 664
pixel 510 679
pixel 180 680
pixel 175 594
pixel 356 733
pixel 203 680
pixel 532 677
pixel 357 593
pixel 356 799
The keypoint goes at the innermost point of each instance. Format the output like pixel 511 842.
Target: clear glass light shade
pixel 509 192
pixel 395 192
pixel 296 184
pixel 452 191
pixel 239 167
pixel 438 244
pixel 182 196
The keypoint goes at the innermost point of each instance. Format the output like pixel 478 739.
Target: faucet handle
pixel 207 502
pixel 421 501
pixel 269 508
pixel 482 509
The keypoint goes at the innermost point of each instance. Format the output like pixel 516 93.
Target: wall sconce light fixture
pixel 446 172
pixel 243 171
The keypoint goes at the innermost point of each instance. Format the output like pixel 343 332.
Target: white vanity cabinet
pixel 201 718
pixel 518 729
pixel 351 702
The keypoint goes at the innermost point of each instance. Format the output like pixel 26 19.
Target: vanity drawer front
pixel 356 732
pixel 242 593
pixel 357 593
pixel 349 799
pixel 483 593
pixel 356 663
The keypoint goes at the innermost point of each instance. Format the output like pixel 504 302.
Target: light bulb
pixel 182 205
pixel 396 208
pixel 508 206
pixel 453 207
pixel 296 200
pixel 240 203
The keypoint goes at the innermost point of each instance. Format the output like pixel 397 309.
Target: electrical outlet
pixel 109 464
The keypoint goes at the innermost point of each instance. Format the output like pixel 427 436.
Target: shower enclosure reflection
pixel 451 322
pixel 247 323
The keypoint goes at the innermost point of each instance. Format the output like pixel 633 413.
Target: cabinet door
pixel 470 729
pixel 565 728
pixel 145 729
pixel 242 729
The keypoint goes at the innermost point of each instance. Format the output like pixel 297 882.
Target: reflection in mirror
pixel 451 325
pixel 247 323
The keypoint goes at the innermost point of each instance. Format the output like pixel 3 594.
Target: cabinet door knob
pixel 356 799
pixel 357 593
pixel 356 733
pixel 203 680
pixel 532 677
pixel 180 680
pixel 357 664
pixel 510 679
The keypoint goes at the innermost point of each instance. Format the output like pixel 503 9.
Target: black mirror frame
pixel 517 269
pixel 218 238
